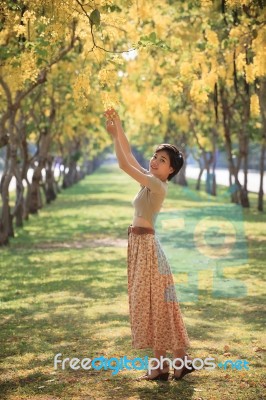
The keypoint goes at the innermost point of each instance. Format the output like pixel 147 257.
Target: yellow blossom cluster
pixel 221 72
pixel 4 33
pixel 237 3
pixel 260 63
pixel 206 3
pixel 187 70
pixel 143 9
pixel 164 107
pixel 198 91
pixel 254 105
pixel 110 100
pixel 103 3
pixel 210 79
pixel 212 38
pixel 177 88
pixel 257 67
pixel 107 77
pixel 250 73
pixel 161 24
pixel 241 62
pixel 181 120
pixel 28 66
pixel 19 29
pixel 28 16
pixel 259 48
pixel 152 100
pixel 81 89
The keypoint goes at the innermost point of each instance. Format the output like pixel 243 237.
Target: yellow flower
pixel 197 92
pixel 259 62
pixel 206 3
pixel 81 90
pixel 254 105
pixel 221 71
pixel 20 29
pixel 210 79
pixel 110 100
pixel 237 3
pixel 107 77
pixel 177 88
pixel 240 62
pixel 185 68
pixel 212 38
pixel 250 73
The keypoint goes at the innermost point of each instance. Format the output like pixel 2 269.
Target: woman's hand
pixel 111 128
pixel 113 122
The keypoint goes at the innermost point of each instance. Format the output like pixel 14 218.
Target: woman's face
pixel 160 165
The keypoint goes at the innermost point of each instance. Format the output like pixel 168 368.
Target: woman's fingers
pixel 112 121
pixel 111 128
pixel 111 114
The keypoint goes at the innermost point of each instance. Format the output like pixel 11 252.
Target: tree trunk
pixel 214 160
pixel 19 211
pixel 180 178
pixel 262 99
pixel 6 217
pixel 262 168
pixel 19 208
pixel 24 175
pixel 199 178
pixel 208 162
pixel 238 196
pixel 243 139
pixel 71 176
pixel 35 200
pixel 50 192
pixel 245 170
pixel 27 201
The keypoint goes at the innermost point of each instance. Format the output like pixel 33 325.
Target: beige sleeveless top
pixel 149 200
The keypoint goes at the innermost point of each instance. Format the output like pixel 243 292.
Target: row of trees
pixel 188 72
pixel 209 89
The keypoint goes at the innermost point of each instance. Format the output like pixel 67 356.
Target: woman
pixel 155 316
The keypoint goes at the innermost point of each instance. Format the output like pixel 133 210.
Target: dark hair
pixel 175 155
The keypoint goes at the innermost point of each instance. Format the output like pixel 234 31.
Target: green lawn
pixel 64 290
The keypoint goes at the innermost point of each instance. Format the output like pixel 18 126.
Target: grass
pixel 64 290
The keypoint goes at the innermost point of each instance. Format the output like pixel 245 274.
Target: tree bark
pixel 50 191
pixel 35 202
pixel 180 178
pixel 262 100
pixel 238 195
pixel 199 178
pixel 262 170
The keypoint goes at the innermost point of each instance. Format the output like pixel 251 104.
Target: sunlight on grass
pixel 60 293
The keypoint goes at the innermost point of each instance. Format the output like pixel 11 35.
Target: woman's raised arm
pixel 117 125
pixel 112 127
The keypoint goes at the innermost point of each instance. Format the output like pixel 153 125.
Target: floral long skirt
pixel 155 315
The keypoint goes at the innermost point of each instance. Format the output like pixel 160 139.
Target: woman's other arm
pixel 124 164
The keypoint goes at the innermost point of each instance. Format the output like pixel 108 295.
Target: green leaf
pixel 95 17
pixel 152 37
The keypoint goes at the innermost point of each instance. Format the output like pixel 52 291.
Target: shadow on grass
pixel 75 302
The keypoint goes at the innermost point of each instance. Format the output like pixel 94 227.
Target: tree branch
pixel 95 45
pixel 43 73
pixel 7 91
